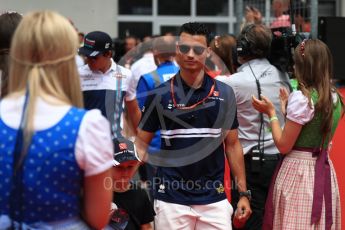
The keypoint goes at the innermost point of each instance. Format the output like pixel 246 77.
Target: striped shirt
pixel 191 160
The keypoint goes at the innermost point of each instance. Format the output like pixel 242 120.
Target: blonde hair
pixel 43 61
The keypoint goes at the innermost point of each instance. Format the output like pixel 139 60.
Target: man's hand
pixel 243 210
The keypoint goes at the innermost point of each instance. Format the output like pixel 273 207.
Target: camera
pixel 283 43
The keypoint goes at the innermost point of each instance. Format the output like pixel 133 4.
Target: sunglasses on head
pixel 198 50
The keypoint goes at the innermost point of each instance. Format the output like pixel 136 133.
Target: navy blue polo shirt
pixel 191 161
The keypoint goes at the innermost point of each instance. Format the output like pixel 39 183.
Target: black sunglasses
pixel 198 50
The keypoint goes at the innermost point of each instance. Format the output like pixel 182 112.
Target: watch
pixel 247 194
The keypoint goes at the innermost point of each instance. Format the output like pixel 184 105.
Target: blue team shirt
pixel 146 85
pixel 191 161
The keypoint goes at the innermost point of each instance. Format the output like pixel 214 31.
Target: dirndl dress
pixel 304 192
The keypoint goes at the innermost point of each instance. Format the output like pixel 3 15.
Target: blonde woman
pixel 54 156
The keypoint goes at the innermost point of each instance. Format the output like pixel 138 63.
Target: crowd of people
pixel 181 114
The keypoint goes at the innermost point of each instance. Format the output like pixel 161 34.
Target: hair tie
pixel 45 63
pixel 302 47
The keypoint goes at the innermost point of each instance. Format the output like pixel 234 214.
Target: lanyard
pixel 195 104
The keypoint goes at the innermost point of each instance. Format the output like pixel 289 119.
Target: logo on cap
pixel 89 42
pixel 123 146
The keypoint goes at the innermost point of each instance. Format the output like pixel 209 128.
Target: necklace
pixel 195 104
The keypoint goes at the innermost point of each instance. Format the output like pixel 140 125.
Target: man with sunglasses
pixel 105 83
pixel 196 117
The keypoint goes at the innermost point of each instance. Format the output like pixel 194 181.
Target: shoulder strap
pixel 118 99
pixel 156 78
pixel 258 87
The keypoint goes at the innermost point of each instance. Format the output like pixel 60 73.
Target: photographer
pixel 256 76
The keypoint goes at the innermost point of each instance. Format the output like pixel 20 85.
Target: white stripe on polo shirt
pixel 191 133
pixel 190 136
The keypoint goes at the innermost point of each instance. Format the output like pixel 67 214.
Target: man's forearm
pixel 238 170
pixel 141 143
pixel 134 114
pixel 234 153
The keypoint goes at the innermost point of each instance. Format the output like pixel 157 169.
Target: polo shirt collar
pixel 112 68
pixel 167 63
pixel 205 86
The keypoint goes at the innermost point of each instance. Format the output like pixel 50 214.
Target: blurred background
pixel 143 18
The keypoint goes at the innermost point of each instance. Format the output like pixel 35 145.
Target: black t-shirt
pixel 134 209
